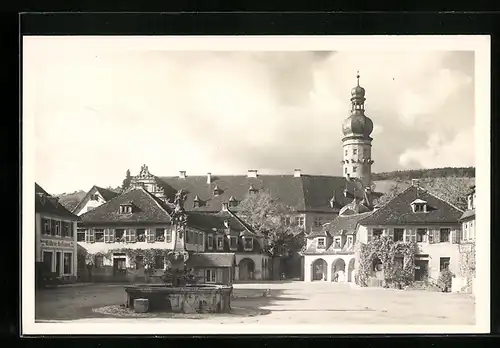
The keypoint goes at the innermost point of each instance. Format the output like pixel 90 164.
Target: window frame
pixel 96 231
pixel 339 240
pixel 448 238
pixel 235 245
pixel 210 275
pixel 245 241
pixel 70 258
pixel 210 241
pixel 444 261
pixel 424 238
pixel 323 240
pixel 402 231
pixel 220 246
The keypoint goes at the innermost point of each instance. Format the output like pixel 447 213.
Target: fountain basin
pixel 191 298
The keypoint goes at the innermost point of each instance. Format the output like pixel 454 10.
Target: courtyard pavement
pixel 288 303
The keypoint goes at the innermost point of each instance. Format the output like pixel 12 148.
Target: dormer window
pixel 419 206
pixel 337 241
pixel 196 201
pixel 126 209
pixel 217 190
pixel 252 190
pixel 233 202
pixel 321 243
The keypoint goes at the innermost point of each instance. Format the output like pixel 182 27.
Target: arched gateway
pixel 319 270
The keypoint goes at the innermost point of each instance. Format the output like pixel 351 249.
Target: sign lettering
pixel 56 243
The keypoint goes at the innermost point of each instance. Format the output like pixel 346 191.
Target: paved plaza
pixel 287 303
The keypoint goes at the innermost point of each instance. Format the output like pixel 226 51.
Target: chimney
pixel 225 206
pixel 182 174
pixel 209 178
pixel 296 173
pixel 252 173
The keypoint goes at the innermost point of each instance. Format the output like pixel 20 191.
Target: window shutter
pixel 150 235
pixel 391 233
pixel 437 236
pixel 370 235
pixel 454 236
pixel 111 235
pixel 413 233
pixel 106 235
pixel 407 233
pixel 132 235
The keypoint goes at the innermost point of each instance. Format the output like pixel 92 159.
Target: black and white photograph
pixel 205 185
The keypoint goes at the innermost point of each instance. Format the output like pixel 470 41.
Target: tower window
pixel 355 151
pixel 345 170
pixel 354 169
pixel 346 152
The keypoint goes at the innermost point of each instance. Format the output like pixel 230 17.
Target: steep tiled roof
pixel 304 193
pixel 46 204
pixel 345 223
pixel 208 222
pixel 468 214
pixel 146 209
pixel 211 260
pixel 399 211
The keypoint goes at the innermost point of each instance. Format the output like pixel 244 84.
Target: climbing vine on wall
pixel 386 251
pixel 467 262
pixel 148 255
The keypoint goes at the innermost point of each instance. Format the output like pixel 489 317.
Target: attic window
pixel 321 243
pixel 252 190
pixel 94 197
pixel 196 201
pixel 126 209
pixel 233 202
pixel 419 206
pixel 217 190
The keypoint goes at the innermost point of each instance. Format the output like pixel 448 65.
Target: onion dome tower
pixel 357 142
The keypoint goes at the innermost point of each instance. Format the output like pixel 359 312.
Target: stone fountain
pixel 179 293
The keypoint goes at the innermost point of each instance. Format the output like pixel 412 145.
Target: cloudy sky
pixel 100 110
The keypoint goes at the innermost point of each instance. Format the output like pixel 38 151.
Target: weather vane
pixel 357 76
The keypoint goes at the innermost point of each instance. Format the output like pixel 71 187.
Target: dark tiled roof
pixel 208 222
pixel 345 223
pixel 212 260
pixel 468 214
pixel 305 193
pixel 70 205
pixel 318 233
pixel 398 210
pixel 46 204
pixel 146 209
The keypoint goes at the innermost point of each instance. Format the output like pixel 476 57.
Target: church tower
pixel 357 143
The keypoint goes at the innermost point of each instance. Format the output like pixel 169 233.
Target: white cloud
pixel 459 151
pixel 100 111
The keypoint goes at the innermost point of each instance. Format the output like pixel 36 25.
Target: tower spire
pixel 357 76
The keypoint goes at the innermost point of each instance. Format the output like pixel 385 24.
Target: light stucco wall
pixel 469 230
pixel 258 260
pixel 91 204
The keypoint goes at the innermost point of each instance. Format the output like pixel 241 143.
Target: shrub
pixel 445 279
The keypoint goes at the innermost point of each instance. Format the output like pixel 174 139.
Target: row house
pixel 138 220
pixel 55 237
pixel 414 215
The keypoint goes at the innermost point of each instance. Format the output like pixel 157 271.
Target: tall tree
pixel 452 189
pixel 127 180
pixel 273 219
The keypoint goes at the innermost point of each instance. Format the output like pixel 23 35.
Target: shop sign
pixel 56 243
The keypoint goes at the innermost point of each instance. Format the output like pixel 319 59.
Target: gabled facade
pixel 95 197
pixel 413 215
pixel 468 218
pixel 138 219
pixel 55 236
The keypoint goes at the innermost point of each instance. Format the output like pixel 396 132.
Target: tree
pixel 393 192
pixel 127 180
pixel 275 221
pixel 452 189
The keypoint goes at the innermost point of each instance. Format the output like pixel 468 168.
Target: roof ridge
pixel 241 222
pixel 78 206
pixel 374 212
pixel 155 199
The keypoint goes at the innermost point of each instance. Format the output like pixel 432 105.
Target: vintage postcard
pixel 293 185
